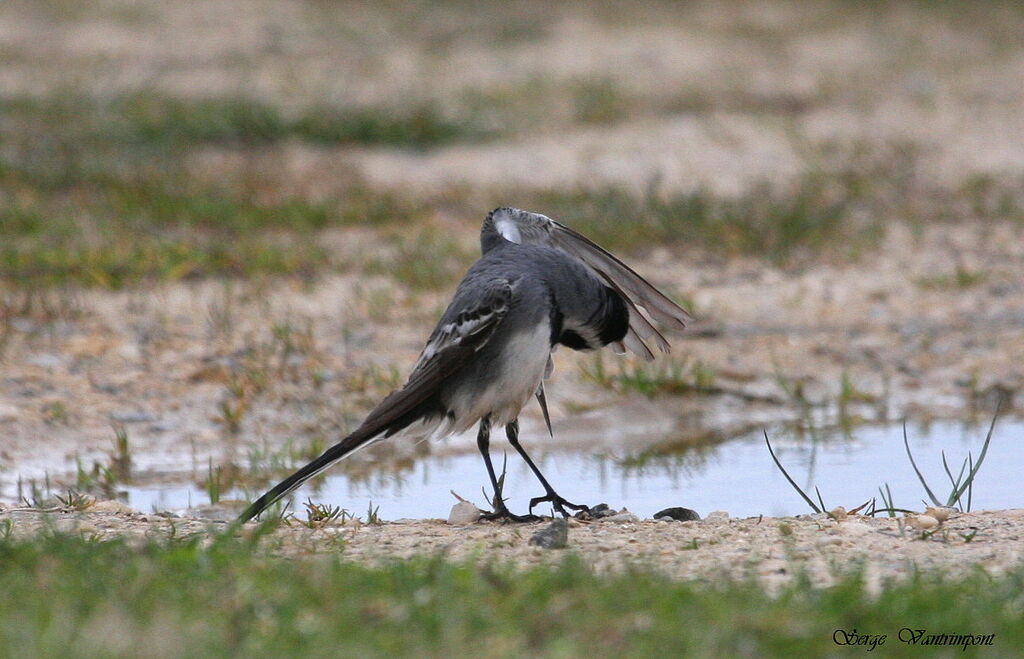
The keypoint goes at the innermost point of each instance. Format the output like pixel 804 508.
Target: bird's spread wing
pixel 535 229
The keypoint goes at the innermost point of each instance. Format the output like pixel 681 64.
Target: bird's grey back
pixel 545 279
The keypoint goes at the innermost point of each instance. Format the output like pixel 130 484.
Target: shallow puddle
pixel 736 476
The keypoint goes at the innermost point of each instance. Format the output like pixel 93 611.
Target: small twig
pixel 860 507
pixel 892 511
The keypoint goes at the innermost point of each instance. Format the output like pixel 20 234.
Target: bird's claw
pixel 505 515
pixel 559 504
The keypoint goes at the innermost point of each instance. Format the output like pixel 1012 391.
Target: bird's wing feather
pixel 448 349
pixel 534 229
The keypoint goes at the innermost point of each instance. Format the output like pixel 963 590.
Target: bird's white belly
pixel 522 365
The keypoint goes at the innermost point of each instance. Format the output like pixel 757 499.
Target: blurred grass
pixel 423 259
pixel 779 225
pixel 839 209
pixel 148 118
pixel 113 229
pixel 107 194
pixel 100 193
pixel 69 596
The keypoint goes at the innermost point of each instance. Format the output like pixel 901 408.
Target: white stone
pixel 923 522
pixel 854 528
pixel 463 513
pixel 941 513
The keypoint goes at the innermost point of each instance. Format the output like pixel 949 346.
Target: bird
pixel 537 285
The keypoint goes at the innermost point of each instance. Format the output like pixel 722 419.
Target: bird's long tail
pixel 342 449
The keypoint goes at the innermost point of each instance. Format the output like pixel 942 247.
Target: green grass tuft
pixel 193 597
pixel 665 376
pixel 149 118
pixel 96 226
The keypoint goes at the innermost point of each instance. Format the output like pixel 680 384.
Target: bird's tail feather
pixel 342 449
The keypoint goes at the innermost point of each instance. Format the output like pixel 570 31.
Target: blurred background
pixel 227 228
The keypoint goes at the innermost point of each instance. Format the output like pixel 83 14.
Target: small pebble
pixel 853 528
pixel 940 513
pixel 922 522
pixel 110 506
pixel 553 536
pixel 8 413
pixel 773 566
pixel 463 513
pixel 46 361
pixel 621 517
pixel 130 352
pixel 131 417
pixel 678 514
pixel 601 510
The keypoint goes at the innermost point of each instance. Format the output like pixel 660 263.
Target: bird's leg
pixel 559 503
pixel 483 442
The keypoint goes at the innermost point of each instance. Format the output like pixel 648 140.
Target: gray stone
pixel 553 536
pixel 678 514
pixel 602 510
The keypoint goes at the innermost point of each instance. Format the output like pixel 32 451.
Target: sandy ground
pixel 772 550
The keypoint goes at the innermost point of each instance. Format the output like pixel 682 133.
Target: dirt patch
pixel 775 550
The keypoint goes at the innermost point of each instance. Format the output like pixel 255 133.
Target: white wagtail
pixel 537 285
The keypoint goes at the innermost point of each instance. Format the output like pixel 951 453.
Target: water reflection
pixel 737 476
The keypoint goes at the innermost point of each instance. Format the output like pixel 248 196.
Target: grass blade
pixel 920 477
pixel 970 486
pixel 887 502
pixel 955 481
pixel 820 500
pixel 954 497
pixel 788 478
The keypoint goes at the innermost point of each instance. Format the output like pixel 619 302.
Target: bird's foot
pixel 501 513
pixel 558 503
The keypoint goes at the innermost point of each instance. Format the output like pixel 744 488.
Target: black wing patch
pixel 528 228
